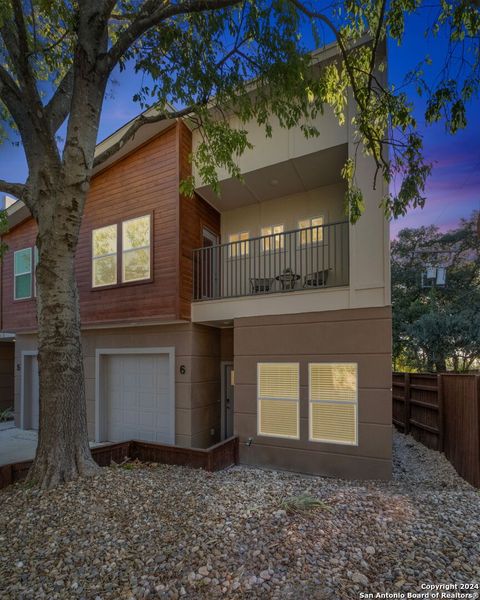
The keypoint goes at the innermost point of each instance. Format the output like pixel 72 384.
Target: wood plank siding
pixel 144 182
pixel 195 215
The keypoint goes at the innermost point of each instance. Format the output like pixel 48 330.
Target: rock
pixel 370 550
pixel 203 571
pixel 360 578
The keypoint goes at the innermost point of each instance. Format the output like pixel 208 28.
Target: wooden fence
pixel 222 455
pixel 443 413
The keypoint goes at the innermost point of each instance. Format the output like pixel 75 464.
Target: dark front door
pixel 229 399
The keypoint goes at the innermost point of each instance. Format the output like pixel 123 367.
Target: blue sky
pixel 453 189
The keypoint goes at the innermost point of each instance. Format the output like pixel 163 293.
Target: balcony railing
pixel 303 259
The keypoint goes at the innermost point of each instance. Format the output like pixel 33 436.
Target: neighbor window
pixel 278 399
pixel 311 236
pixel 35 263
pixel 275 241
pixel 22 260
pixel 104 256
pixel 333 400
pixel 136 249
pixel 238 246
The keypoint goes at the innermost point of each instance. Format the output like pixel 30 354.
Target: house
pixel 262 313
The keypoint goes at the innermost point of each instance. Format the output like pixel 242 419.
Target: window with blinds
pixel 333 400
pixel 278 392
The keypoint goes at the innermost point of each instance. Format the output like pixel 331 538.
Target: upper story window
pixel 134 247
pixel 274 241
pixel 104 256
pixel 311 236
pixel 238 247
pixel 23 274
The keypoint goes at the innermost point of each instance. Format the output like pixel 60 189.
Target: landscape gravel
pixel 168 532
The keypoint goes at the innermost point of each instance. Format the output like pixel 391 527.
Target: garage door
pixel 138 398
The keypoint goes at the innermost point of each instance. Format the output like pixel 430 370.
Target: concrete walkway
pixel 17 445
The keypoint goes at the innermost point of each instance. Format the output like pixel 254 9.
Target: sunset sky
pixel 454 188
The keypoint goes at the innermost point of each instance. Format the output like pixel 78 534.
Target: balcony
pixel 313 258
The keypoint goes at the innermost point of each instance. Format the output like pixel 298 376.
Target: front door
pixel 229 399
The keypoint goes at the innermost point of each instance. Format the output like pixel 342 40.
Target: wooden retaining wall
pixel 443 413
pixel 222 455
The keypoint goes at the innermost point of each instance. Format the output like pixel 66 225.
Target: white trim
pixel 336 402
pixel 213 237
pixel 223 364
pixel 100 420
pixel 24 354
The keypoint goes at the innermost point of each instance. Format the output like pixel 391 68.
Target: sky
pixel 453 190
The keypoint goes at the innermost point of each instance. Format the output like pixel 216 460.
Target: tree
pixel 437 328
pixel 202 57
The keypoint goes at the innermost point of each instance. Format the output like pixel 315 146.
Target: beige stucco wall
pixel 197 392
pixel 326 201
pixel 362 336
pixel 369 245
pixel 284 144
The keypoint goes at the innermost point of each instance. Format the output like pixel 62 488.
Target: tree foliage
pixel 196 55
pixel 437 328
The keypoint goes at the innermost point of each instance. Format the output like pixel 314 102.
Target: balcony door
pixel 210 264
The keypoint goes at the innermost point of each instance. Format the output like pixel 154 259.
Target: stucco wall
pixel 360 336
pixel 197 391
pixel 326 201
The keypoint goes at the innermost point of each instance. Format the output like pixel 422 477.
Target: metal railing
pixel 311 258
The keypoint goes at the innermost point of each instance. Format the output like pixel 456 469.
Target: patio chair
pixel 316 279
pixel 259 285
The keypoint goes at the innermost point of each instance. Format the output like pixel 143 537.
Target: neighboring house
pixel 261 313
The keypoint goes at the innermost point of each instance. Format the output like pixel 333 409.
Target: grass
pixel 6 415
pixel 302 504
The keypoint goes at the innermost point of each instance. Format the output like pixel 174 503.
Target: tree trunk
pixel 63 451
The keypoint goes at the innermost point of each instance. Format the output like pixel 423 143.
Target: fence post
pixel 441 419
pixel 407 402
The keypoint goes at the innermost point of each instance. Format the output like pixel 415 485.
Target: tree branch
pixel 16 189
pixel 58 107
pixel 151 15
pixel 139 122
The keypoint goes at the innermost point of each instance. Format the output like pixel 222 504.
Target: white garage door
pixel 138 398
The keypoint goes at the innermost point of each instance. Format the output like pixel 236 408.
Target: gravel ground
pixel 170 532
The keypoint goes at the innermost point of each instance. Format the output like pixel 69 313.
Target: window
pixel 136 249
pixel 238 247
pixel 35 263
pixel 311 236
pixel 278 400
pixel 22 260
pixel 104 256
pixel 275 242
pixel 333 400
pixel 135 257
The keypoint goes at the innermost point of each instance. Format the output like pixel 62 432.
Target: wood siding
pixel 17 315
pixel 144 182
pixel 195 214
